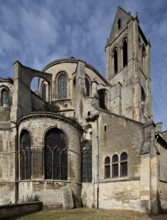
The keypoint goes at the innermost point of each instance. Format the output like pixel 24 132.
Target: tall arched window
pixel 25 155
pixel 143 95
pixel 5 97
pixel 143 55
pixel 102 98
pixel 62 86
pixel 115 60
pixel 44 91
pixel 87 85
pixel 119 23
pixel 125 52
pixel 55 155
pixel 86 163
pixel 107 167
pixel 124 164
pixel 115 166
pixel 143 99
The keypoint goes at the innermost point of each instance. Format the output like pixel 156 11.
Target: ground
pixel 90 214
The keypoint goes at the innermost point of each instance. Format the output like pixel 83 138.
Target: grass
pixel 89 214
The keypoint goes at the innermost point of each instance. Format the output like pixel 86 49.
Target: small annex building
pixel 82 138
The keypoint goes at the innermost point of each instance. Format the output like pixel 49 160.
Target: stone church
pixel 83 139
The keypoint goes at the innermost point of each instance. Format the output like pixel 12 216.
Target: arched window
pixel 143 99
pixel 25 155
pixel 102 98
pixel 62 86
pixel 115 166
pixel 55 155
pixel 143 95
pixel 119 23
pixel 86 163
pixel 125 53
pixel 74 81
pixel 44 91
pixel 124 164
pixel 5 97
pixel 87 85
pixel 107 167
pixel 115 60
pixel 143 55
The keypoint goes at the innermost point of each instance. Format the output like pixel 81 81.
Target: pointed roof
pixel 121 21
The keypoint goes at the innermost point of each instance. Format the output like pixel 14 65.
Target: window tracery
pixel 55 155
pixel 25 155
pixel 86 162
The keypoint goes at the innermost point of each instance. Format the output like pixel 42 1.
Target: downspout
pixel 17 167
pixel 16 164
pixel 93 118
pixel 97 136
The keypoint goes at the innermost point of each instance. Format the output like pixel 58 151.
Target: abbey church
pixel 82 139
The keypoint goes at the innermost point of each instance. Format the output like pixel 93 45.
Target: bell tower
pixel 128 68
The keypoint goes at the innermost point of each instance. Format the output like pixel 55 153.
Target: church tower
pixel 128 68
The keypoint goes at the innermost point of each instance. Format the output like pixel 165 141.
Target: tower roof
pixel 121 21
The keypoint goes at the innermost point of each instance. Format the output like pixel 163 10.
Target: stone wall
pixel 56 194
pixel 51 192
pixel 120 195
pixel 7 193
pixel 162 196
pixel 116 135
pixel 7 211
pixel 36 102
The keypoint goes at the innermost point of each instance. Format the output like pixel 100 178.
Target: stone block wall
pixel 162 197
pixel 52 192
pixel 7 211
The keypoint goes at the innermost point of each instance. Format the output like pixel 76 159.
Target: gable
pixel 120 23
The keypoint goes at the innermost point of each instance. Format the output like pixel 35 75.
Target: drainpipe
pixel 16 164
pixel 93 118
pixel 97 137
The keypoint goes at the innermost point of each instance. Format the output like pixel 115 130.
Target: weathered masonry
pixel 81 138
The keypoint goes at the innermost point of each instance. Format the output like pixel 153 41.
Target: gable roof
pixel 124 19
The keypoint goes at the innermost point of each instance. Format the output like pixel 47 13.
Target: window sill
pixel 119 179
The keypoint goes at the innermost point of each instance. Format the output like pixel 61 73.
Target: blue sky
pixel 36 32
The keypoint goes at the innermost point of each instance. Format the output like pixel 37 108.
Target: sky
pixel 36 32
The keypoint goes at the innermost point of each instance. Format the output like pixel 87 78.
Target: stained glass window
pixel 55 155
pixel 5 97
pixel 62 86
pixel 25 155
pixel 86 164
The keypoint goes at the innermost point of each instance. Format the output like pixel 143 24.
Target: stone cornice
pixel 56 116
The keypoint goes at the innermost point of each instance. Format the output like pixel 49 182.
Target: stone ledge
pixel 12 210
